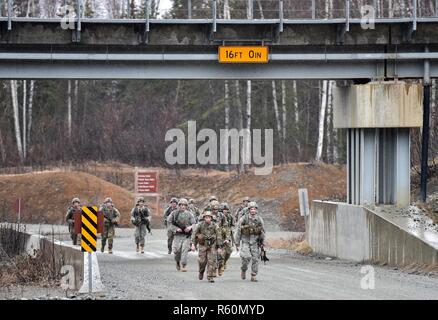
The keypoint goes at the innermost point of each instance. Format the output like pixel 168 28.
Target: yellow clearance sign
pixel 245 54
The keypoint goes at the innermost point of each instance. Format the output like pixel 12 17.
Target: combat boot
pixel 253 278
pixel 183 269
pixel 103 248
pixel 201 276
pixel 178 266
pixel 138 249
pixel 110 250
pixel 221 271
pixel 210 279
pixel 243 275
pixel 142 249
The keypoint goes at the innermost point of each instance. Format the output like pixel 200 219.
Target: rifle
pixel 141 218
pixel 107 218
pixel 232 238
pixel 176 223
pixel 263 256
pixel 148 227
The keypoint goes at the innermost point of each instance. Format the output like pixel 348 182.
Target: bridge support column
pixel 378 117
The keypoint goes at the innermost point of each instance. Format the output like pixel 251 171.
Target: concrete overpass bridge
pixel 302 45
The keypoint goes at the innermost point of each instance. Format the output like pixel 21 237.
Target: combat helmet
pixel 252 204
pixel 75 200
pixel 191 201
pixel 215 205
pixel 212 198
pixel 175 200
pixel 224 206
pixel 183 201
pixel 141 199
pixel 108 200
pixel 207 213
pixel 246 199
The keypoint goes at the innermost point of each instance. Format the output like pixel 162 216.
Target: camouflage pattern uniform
pixel 166 214
pixel 207 236
pixel 140 217
pixel 194 209
pixel 111 219
pixel 226 226
pixel 214 209
pixel 251 232
pixel 242 210
pixel 70 218
pixel 210 201
pixel 181 219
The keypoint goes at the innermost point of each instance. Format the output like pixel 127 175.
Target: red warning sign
pixel 146 182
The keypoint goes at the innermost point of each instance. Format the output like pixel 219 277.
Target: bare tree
pixel 248 120
pixel 14 95
pixel 322 120
pixel 227 92
pixel 2 147
pixel 24 118
pixel 227 9
pixel 284 122
pixel 69 110
pixel 277 115
pixel 297 115
pixel 29 4
pixel 42 5
pixel 329 125
pixel 30 110
pixel 241 168
pixel 333 133
pixel 227 119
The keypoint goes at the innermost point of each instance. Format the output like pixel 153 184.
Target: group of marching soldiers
pixel 140 218
pixel 213 232
pixel 111 219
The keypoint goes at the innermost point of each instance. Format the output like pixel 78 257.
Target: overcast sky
pixel 165 4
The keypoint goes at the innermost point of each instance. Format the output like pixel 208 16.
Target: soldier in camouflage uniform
pixel 111 220
pixel 251 232
pixel 214 208
pixel 226 226
pixel 207 236
pixel 167 212
pixel 140 218
pixel 194 209
pixel 70 218
pixel 243 208
pixel 181 223
pixel 210 200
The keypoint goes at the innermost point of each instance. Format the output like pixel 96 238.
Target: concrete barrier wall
pixel 359 234
pixel 396 246
pixel 339 230
pixel 57 253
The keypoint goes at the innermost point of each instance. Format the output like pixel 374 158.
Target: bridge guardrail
pixel 238 9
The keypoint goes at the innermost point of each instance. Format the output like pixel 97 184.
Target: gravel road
pixel 288 275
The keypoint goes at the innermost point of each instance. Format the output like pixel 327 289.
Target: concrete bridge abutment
pixel 378 117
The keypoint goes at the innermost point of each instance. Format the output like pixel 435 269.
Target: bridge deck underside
pixel 36 48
